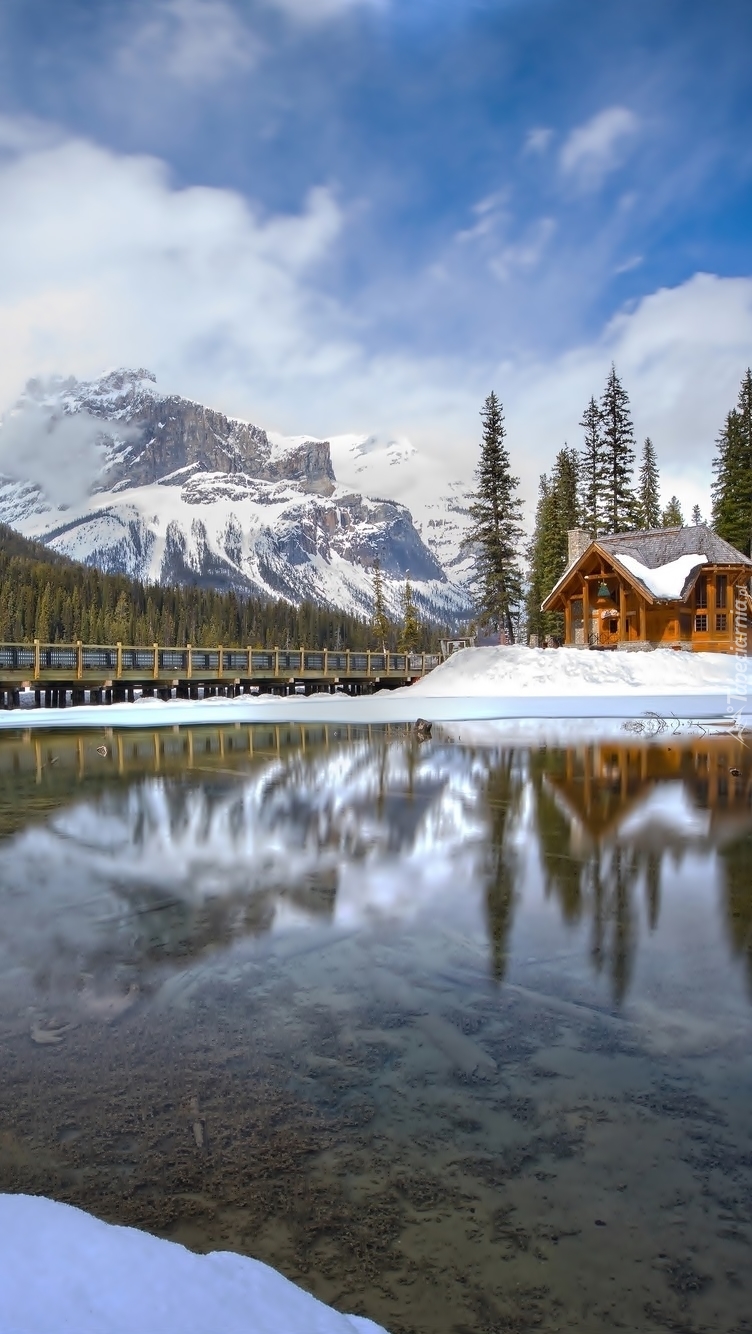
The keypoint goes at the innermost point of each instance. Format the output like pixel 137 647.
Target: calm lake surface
pixel 457 1037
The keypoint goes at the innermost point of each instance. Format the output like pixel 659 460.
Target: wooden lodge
pixel 682 588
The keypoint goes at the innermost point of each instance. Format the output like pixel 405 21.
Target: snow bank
pixel 475 684
pixel 64 1272
pixel 665 581
pixel 522 672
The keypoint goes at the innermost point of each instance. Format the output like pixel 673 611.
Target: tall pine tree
pixel 409 639
pixel 380 621
pixel 617 437
pixel 592 472
pixel 496 530
pixel 534 617
pixel 557 512
pixel 648 490
pixel 732 489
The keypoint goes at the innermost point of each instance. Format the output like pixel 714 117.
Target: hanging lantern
pixel 604 591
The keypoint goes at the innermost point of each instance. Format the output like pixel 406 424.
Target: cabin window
pixel 701 594
pixel 721 592
pixel 721 621
pixel 701 621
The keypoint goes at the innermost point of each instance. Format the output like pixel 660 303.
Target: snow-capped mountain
pixel 185 494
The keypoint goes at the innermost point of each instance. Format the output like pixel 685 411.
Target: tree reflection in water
pixel 190 842
pixel 606 818
pixel 502 793
pixel 736 864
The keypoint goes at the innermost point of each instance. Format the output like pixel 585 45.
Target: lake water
pixel 457 1037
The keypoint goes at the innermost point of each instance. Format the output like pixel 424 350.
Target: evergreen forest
pixel 45 596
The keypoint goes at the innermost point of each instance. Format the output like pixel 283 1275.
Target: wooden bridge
pixel 60 674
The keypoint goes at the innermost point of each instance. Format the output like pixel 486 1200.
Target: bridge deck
pixel 119 668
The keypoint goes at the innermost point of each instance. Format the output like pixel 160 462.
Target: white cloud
pixel 193 41
pixel 596 148
pixel 24 134
pixel 317 11
pixel 525 254
pixel 58 452
pixel 681 353
pixel 538 139
pixel 105 263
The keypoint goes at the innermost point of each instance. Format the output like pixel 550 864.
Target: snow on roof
pixel 64 1270
pixel 664 581
pixel 660 546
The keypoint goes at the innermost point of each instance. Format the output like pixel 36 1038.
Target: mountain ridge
pixel 185 494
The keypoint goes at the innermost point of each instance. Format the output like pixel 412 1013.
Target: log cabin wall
pixel 704 623
pixel 605 605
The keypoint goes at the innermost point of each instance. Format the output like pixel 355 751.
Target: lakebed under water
pixel 456 1036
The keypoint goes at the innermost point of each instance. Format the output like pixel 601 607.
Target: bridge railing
pixel 126 662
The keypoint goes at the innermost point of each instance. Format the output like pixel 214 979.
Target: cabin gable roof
pixel 654 549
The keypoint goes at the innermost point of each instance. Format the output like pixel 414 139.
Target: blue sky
pixel 360 215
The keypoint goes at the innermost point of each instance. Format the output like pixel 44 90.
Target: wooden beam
pixel 622 612
pixel 643 619
pixel 586 613
pixel 568 621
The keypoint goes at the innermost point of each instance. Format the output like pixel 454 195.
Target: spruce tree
pixel 410 633
pixel 697 515
pixel 592 472
pixel 648 496
pixel 548 552
pixel 617 436
pixel 672 515
pixel 380 621
pixel 495 533
pixel 732 489
pixel 534 617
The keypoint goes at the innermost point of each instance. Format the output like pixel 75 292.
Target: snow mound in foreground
pixel 64 1272
pixel 570 671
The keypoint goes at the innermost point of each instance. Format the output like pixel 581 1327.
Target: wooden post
pixel 643 619
pixel 568 621
pixel 622 613
pixel 37 660
pixel 188 662
pixel 79 660
pixel 219 661
pixel 119 661
pixel 586 612
pixel 155 672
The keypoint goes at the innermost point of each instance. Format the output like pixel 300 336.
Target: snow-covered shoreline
pixel 485 684
pixel 64 1272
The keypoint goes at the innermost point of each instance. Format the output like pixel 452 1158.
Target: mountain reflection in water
pixel 116 868
pixel 458 1037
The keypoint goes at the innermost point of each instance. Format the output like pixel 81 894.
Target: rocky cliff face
pixel 157 438
pixel 186 494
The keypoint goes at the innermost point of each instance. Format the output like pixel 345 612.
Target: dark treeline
pixel 47 597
